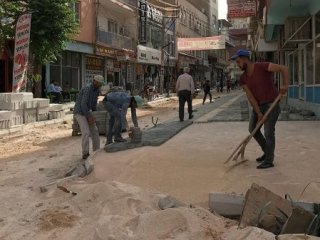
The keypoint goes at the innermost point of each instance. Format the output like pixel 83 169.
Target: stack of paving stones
pixel 30 108
pixel 12 102
pixel 42 109
pixel 22 108
pixel 5 119
pixel 101 118
pixel 56 111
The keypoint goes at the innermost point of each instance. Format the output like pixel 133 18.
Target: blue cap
pixel 241 53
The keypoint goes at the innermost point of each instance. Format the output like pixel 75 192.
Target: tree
pixel 53 25
pixel 10 11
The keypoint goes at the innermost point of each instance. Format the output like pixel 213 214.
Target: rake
pixel 239 151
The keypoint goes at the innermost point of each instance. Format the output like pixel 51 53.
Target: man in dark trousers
pixel 185 90
pixel 206 89
pixel 258 83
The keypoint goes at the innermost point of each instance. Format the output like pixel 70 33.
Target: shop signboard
pixel 21 53
pixel 148 55
pixel 204 43
pixel 241 9
pixel 142 21
pixel 94 66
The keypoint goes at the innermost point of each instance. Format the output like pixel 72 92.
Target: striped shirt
pixel 185 82
pixel 86 100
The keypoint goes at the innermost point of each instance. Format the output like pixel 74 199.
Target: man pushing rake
pixel 258 83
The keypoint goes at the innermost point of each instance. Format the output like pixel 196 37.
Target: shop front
pixel 149 66
pixel 119 66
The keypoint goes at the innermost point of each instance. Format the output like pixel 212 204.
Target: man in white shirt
pixel 185 90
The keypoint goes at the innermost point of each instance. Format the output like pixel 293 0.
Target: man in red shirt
pixel 258 83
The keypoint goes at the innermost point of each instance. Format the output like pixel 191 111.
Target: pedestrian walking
pixel 185 90
pixel 87 103
pixel 257 82
pixel 228 85
pixel 206 89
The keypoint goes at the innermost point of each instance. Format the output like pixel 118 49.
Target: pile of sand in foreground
pixel 115 211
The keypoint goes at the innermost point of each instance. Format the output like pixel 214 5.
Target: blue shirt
pixel 51 88
pixel 86 101
pixel 119 99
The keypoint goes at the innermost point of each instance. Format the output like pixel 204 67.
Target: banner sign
pixel 148 55
pixel 21 53
pixel 142 21
pixel 206 43
pixel 241 9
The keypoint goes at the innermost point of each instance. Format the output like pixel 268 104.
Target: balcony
pixel 116 41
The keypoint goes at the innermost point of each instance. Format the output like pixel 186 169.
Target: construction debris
pixel 227 205
pixel 264 209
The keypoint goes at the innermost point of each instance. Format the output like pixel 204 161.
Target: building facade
pixel 193 23
pixel 289 34
pixel 240 13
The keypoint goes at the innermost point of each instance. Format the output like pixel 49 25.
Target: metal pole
pixel 168 79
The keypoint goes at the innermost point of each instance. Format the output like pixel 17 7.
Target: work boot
pixel 85 156
pixel 261 159
pixel 265 165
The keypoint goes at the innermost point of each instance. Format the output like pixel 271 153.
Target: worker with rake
pixel 258 83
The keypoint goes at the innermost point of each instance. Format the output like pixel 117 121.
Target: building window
pixel 112 26
pixel 310 63
pixel 76 7
pixel 317 65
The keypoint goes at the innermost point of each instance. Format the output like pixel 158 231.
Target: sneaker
pixel 85 156
pixel 191 116
pixel 261 159
pixel 120 140
pixel 265 165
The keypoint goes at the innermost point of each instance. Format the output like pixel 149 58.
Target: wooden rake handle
pixel 244 143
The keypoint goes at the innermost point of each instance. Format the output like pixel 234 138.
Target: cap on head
pixel 138 100
pixel 99 79
pixel 186 69
pixel 241 53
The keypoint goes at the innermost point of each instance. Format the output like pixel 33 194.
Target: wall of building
pixel 87 31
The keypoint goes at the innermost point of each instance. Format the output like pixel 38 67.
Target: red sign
pixel 21 53
pixel 241 9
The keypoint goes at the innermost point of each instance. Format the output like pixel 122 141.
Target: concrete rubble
pixel 266 210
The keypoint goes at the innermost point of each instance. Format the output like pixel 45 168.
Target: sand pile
pixel 115 211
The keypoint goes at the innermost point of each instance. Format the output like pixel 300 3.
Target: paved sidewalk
pixel 161 133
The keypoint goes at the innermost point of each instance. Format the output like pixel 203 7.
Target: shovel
pixel 242 146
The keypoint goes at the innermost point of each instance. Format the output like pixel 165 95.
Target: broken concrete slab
pixel 260 203
pixel 226 204
pixel 298 221
pixel 296 237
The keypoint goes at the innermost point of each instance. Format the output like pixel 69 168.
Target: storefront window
pixel 309 64
pixel 317 65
